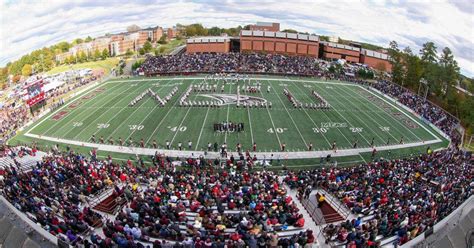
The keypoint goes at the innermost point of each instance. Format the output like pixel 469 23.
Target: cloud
pixel 29 25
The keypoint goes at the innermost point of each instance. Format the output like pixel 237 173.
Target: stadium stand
pixel 386 201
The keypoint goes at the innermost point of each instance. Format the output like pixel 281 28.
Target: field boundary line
pixel 62 107
pixel 196 154
pixel 397 107
pixel 379 114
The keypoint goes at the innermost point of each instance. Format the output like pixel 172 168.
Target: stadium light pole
pixel 423 86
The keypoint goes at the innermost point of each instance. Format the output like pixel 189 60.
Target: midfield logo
pixel 228 99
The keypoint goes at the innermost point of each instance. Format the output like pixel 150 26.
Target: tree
pixel 163 39
pixel 82 57
pixel 147 47
pixel 129 52
pixel 133 28
pixel 26 70
pixel 105 53
pixel 97 54
pixel 450 70
pixel 428 53
pixel 141 51
pixel 88 39
pixel 77 41
pixel 396 61
pixel 290 31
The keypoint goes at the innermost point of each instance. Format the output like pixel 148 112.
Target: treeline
pixel 440 72
pixel 44 59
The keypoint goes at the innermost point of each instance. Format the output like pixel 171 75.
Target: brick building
pixel 216 44
pixel 376 60
pixel 334 51
pixel 265 26
pixel 279 42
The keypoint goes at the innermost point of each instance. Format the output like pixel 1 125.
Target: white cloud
pixel 25 26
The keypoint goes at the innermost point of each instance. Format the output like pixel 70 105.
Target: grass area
pixel 170 46
pixel 105 65
pixel 104 112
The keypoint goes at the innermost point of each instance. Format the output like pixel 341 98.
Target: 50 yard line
pixel 228 110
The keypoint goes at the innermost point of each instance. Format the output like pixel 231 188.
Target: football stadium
pixel 250 136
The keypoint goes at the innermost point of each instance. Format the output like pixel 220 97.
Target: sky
pixel 29 25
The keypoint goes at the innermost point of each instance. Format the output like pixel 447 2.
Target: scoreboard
pixel 34 93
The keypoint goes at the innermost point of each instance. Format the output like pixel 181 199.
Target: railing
pixel 336 204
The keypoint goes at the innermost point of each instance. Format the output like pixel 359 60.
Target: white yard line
pixel 291 117
pixel 273 124
pixel 348 122
pixel 315 125
pixel 391 115
pixel 149 113
pixel 69 113
pixel 103 113
pixel 250 124
pixel 162 119
pixel 115 130
pixel 228 110
pixel 362 120
pixel 202 128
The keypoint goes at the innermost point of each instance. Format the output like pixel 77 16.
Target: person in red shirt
pixel 300 221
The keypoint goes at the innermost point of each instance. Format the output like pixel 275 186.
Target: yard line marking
pixel 227 119
pixel 250 123
pixel 273 124
pixel 375 119
pixel 362 120
pixel 291 117
pixel 403 112
pixel 151 111
pixel 167 113
pixel 398 121
pixel 115 130
pixel 348 120
pixel 93 103
pixel 304 109
pixel 338 128
pixel 103 112
pixel 202 128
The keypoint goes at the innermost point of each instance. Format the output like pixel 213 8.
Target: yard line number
pixel 356 129
pixel 176 129
pixel 319 130
pixel 135 127
pixel 77 124
pixel 385 129
pixel 102 125
pixel 277 130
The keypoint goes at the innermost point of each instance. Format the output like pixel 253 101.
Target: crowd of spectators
pixel 400 197
pixel 11 119
pixel 197 207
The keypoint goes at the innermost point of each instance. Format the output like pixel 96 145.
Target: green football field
pixel 356 115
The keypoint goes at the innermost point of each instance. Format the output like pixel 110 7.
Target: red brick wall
pixel 279 45
pixel 222 47
pixel 376 62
